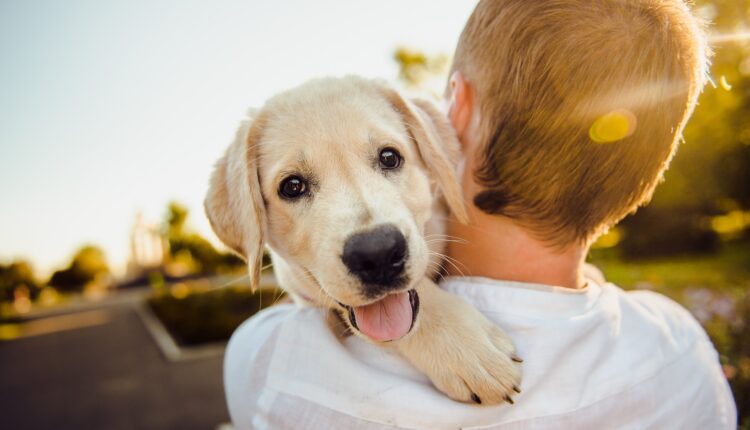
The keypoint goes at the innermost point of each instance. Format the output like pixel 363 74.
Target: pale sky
pixel 108 108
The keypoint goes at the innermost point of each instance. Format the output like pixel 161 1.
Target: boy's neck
pixel 494 247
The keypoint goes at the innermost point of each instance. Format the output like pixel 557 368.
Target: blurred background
pixel 116 300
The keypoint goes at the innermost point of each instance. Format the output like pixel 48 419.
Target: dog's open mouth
pixel 390 318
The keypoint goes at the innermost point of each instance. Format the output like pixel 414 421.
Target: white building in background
pixel 148 246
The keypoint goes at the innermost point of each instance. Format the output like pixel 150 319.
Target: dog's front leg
pixel 464 354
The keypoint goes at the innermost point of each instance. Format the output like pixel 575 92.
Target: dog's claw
pixel 516 389
pixel 509 400
pixel 483 372
pixel 517 359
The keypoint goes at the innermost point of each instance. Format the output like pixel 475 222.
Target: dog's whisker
pixel 438 234
pixel 238 279
pixel 460 272
pixel 446 241
pixel 471 226
pixel 452 261
pixel 319 296
pixel 430 235
pixel 445 238
pixel 279 295
pixel 229 283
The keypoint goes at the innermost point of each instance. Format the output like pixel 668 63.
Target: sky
pixel 112 108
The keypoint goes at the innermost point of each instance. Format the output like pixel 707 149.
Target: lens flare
pixel 613 126
pixel 724 83
pixel 737 37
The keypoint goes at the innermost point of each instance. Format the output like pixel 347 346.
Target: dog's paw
pixel 464 354
pixel 482 368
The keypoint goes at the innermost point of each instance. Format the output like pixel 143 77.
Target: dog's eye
pixel 390 159
pixel 292 187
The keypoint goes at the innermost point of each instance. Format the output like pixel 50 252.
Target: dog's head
pixel 338 177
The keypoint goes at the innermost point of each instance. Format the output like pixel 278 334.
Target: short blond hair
pixel 546 74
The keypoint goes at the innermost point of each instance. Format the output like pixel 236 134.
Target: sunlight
pixel 632 98
pixel 613 126
pixel 741 36
pixel 610 239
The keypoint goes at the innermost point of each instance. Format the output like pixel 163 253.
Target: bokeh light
pixel 725 83
pixel 613 126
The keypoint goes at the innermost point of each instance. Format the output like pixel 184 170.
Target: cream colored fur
pixel 330 131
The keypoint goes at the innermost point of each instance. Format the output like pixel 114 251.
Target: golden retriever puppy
pixel 348 185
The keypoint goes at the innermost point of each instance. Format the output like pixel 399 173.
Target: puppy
pixel 348 184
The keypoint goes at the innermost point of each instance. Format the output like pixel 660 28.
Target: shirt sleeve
pixel 246 361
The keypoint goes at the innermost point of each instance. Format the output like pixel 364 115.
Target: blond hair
pixel 581 106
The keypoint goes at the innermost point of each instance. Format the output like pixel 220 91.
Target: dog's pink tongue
pixel 386 319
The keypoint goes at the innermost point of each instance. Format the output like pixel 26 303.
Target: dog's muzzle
pixel 387 319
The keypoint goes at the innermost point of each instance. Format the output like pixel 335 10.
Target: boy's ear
pixel 234 204
pixel 461 106
pixel 437 144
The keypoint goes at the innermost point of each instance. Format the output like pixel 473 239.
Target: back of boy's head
pixel 581 105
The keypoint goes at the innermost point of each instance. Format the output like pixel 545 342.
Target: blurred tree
pixel 697 176
pixel 18 274
pixel 711 173
pixel 88 264
pixel 419 71
pixel 190 250
pixel 176 217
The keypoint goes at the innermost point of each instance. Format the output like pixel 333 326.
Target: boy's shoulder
pixel 259 334
pixel 250 354
pixel 623 349
pixel 655 309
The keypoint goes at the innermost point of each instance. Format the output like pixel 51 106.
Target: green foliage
pixel 176 218
pixel 416 68
pixel 656 232
pixel 206 258
pixel 88 264
pixel 18 274
pixel 711 173
pixel 193 250
pixel 209 316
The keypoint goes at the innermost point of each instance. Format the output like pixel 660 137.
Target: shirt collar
pixel 523 299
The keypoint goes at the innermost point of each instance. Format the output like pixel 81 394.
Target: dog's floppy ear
pixel 234 204
pixel 437 144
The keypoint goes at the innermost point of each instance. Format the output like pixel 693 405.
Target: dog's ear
pixel 234 204
pixel 437 144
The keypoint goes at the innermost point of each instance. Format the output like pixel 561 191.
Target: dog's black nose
pixel 377 257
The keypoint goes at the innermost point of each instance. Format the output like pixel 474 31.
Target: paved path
pixel 105 372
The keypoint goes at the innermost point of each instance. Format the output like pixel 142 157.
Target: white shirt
pixel 597 358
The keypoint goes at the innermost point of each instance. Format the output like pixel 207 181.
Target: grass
pixel 727 271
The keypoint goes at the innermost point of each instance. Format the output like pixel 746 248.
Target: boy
pixel 568 112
